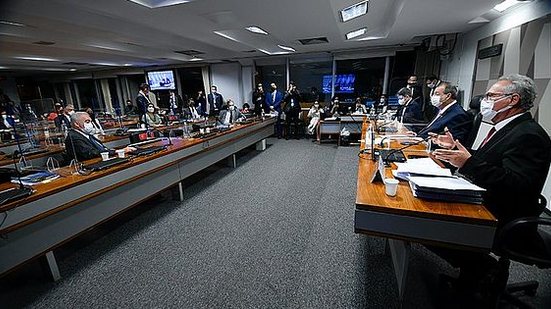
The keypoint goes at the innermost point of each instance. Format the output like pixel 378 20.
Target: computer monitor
pixel 161 80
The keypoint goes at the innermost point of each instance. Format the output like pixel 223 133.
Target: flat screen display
pixel 344 83
pixel 161 80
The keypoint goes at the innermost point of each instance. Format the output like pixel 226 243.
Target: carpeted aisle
pixel 277 232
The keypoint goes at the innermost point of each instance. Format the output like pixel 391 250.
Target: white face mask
pixel 316 106
pixel 71 112
pixel 232 107
pixel 382 101
pixel 151 109
pixel 4 116
pixel 435 101
pixel 487 109
pixel 88 128
pixel 431 85
pixel 401 101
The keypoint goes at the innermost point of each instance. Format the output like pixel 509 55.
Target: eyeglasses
pixel 492 95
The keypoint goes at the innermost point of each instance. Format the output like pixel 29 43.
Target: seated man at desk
pixel 410 110
pixel 511 163
pixel 230 114
pixel 450 114
pixel 80 142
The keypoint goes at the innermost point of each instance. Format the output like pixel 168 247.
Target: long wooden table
pixel 62 209
pixel 404 219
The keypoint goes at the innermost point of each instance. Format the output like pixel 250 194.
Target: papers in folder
pixel 451 189
pixel 422 166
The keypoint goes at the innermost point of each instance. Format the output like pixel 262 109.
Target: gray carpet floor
pixel 277 232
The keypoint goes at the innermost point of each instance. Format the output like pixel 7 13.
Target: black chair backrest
pixel 474 105
pixel 534 251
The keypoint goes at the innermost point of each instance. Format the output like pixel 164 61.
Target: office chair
pixel 474 105
pixel 536 251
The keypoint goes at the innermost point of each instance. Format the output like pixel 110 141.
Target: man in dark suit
pixel 410 111
pixel 450 114
pixel 80 142
pixel 511 163
pixel 292 109
pixel 230 114
pixel 142 100
pixel 259 101
pixel 215 101
pixel 65 118
pixel 273 101
pixel 416 90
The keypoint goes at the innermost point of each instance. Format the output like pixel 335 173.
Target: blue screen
pixel 344 83
pixel 161 80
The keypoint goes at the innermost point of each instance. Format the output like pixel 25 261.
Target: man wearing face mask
pixel 450 114
pixel 511 163
pixel 80 142
pixel 273 101
pixel 292 110
pixel 410 111
pixel 432 82
pixel 259 101
pixel 65 118
pixel 416 91
pixel 215 101
pixel 230 115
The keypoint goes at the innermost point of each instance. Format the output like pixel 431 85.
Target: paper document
pixel 445 183
pixel 422 166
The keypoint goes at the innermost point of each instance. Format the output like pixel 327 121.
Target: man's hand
pixel 444 140
pixel 129 149
pixel 456 157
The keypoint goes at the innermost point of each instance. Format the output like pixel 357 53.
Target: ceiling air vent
pixel 314 41
pixel 189 52
pixel 44 43
pixel 75 63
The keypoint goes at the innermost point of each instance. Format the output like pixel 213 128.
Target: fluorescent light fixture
pixel 226 36
pixel 72 70
pixel 287 48
pixel 255 29
pixel 370 38
pixel 37 59
pixel 105 47
pixel 273 53
pixel 106 64
pixel 153 4
pixel 507 4
pixel 128 64
pixel 354 11
pixel 356 33
pixel 196 59
pixel 3 68
pixel 12 23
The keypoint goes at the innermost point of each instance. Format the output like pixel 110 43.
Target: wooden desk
pixel 62 209
pixel 403 219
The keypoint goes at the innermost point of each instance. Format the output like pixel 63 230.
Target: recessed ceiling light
pixel 226 36
pixel 287 48
pixel 508 4
pixel 72 70
pixel 127 64
pixel 354 11
pixel 12 23
pixel 106 64
pixel 153 4
pixel 356 33
pixel 196 59
pixel 36 59
pixel 256 29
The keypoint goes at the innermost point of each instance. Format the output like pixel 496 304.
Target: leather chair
pixel 535 251
pixel 474 105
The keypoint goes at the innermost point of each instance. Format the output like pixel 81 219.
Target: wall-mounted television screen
pixel 344 83
pixel 161 80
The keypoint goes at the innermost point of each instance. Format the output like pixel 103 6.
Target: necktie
pixel 488 137
pixel 99 146
pixel 231 116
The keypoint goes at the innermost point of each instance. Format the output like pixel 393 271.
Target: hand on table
pixel 129 149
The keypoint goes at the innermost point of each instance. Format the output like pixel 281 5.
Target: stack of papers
pixel 450 189
pixel 420 167
pixel 35 178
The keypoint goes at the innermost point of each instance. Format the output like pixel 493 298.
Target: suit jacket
pixel 410 113
pixel 62 119
pixel 512 166
pixel 294 100
pixel 215 103
pixel 83 148
pixel 455 118
pixel 141 103
pixel 235 116
pixel 275 103
pixel 259 101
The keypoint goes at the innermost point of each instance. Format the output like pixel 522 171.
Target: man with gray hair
pixel 80 143
pixel 511 163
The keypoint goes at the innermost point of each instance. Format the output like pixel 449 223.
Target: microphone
pixel 385 159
